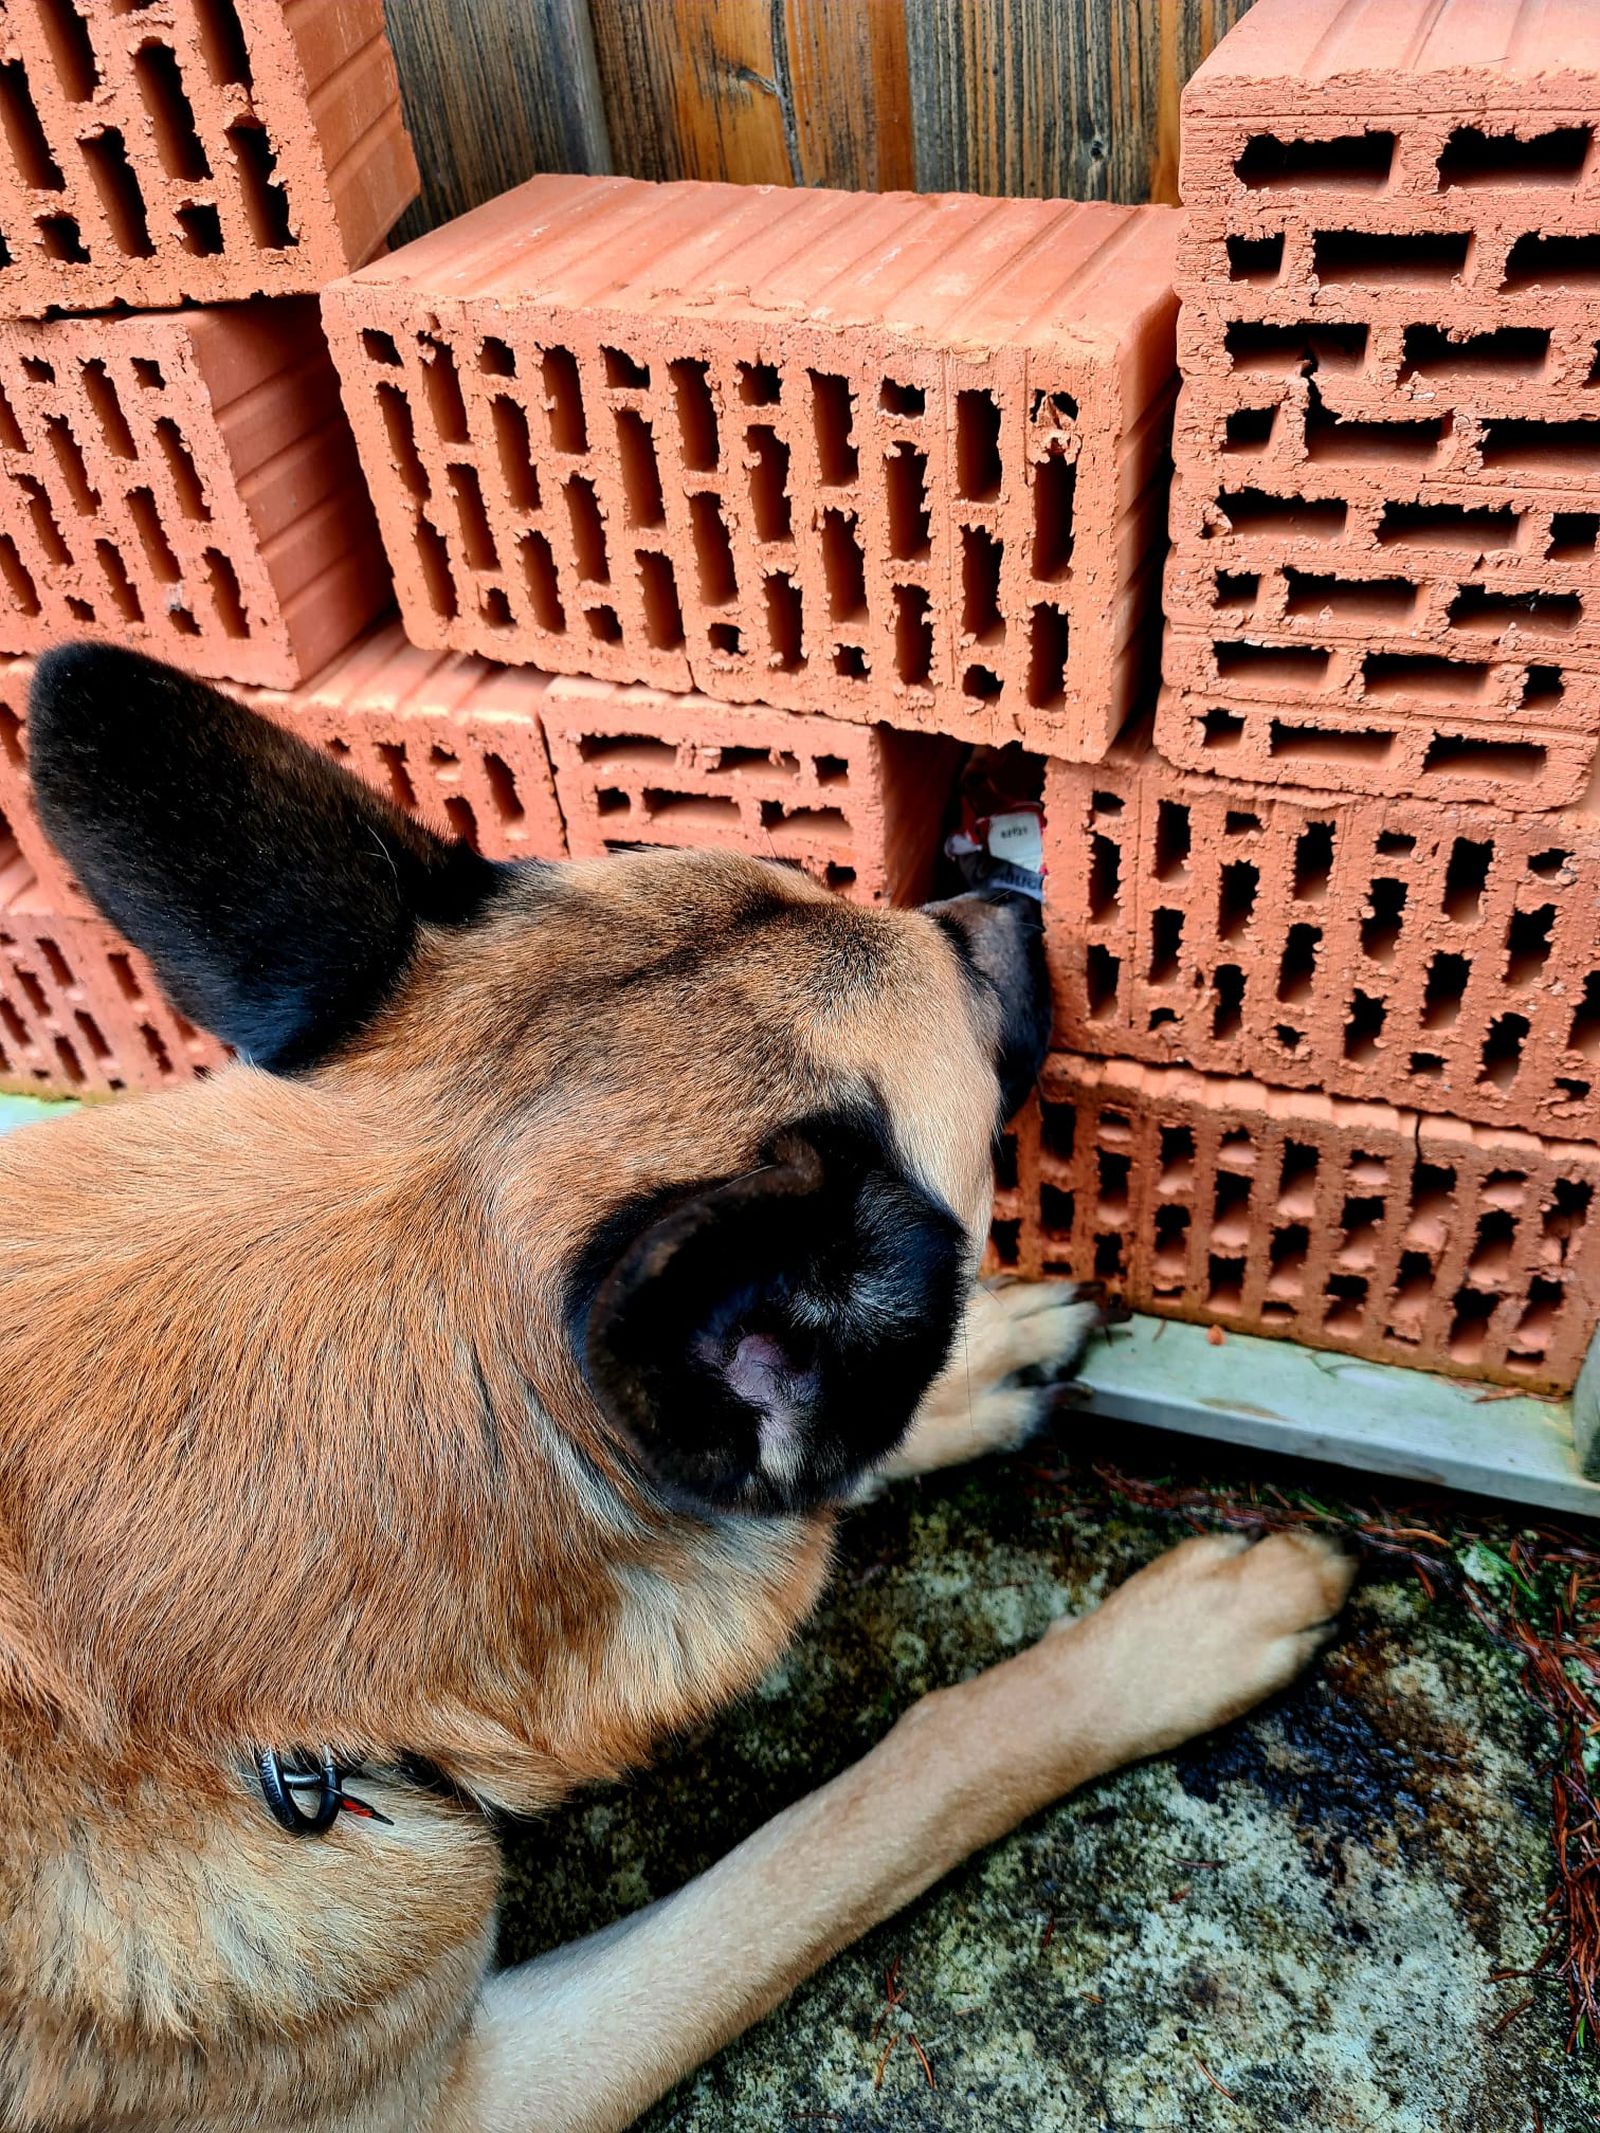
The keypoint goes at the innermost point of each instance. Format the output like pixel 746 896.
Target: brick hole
pixel 1572 534
pixel 1255 259
pixel 1058 1131
pixel 1297 967
pixel 1230 1208
pixel 1170 1252
pixel 1445 990
pixel 1564 1218
pixel 905 401
pixel 981 558
pixel 1113 1172
pixel 1413 1287
pixel 69 1063
pixel 612 802
pixel 266 204
pixel 1102 973
pixel 477 536
pixel 459 815
pixel 434 558
pixel 1494 1243
pixel 1506 352
pixel 1530 446
pixel 92 1034
pixel 494 606
pixel 200 227
pixel 71 49
pixel 978 469
pixel 913 634
pixel 838 463
pixel 622 370
pixel 1224 1283
pixel 658 592
pixel 69 458
pixel 760 384
pixel 1105 876
pixel 513 445
pixel 497 359
pixel 121 587
pixel 1287 351
pixel 1005 1164
pixel 33 991
pixel 38 370
pixel 1572 1091
pixel 1346 1303
pixel 733 761
pixel 687 810
pixel 1289 1038
pixel 1173 833
pixel 1252 514
pixel 1469 1328
pixel 811 823
pixel 603 623
pixel 1473 158
pixel 1542 688
pixel 1236 898
pixel 117 186
pixel 1528 946
pixel 122 970
pixel 713 550
pixel 1583 1036
pixel 1530 1339
pixel 1537 261
pixel 222 41
pixel 225 595
pixel 11 746
pixel 45 530
pixel 1331 440
pixel 1176 1159
pixel 638 750
pixel 1227 1013
pixel 905 484
pixel 1237 589
pixel 1478 608
pixel 1239 822
pixel 1363 1027
pixel 1349 162
pixel 1313 862
pixel 20 588
pixel 641 476
pixel 1166 945
pixel 1381 922
pixel 850 663
pixel 25 136
pixel 379 347
pixel 785 622
pixel 1457 754
pixel 152 536
pixel 56 963
pixel 1221 732
pixel 769 483
pixel 727 638
pixel 1249 429
pixel 1048 648
pixel 1361 1219
pixel 181 468
pixel 588 530
pixel 1055 408
pixel 15 1028
pixel 392 755
pixel 442 383
pixel 11 437
pixel 102 397
pixel 1501 1057
pixel 1380 259
pixel 844 567
pixel 1055 482
pixel 983 683
pixel 1290 666
pixel 1328 744
pixel 563 401
pixel 1448 526
pixel 62 239
pixel 179 617
pixel 1005 1242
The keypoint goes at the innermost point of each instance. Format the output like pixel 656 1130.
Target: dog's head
pixel 733 1135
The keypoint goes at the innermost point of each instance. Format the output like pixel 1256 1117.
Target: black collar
pixel 314 1776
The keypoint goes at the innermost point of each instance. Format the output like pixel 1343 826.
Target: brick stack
pixel 1354 881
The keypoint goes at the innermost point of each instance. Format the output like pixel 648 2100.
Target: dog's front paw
pixel 1019 1343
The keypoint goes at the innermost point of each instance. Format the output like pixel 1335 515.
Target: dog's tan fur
pixel 294 1448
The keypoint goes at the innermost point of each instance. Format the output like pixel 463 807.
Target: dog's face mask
pixel 736 1132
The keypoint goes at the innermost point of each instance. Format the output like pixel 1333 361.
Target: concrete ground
pixel 1294 1923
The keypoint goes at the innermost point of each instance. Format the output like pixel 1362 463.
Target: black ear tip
pixel 82 692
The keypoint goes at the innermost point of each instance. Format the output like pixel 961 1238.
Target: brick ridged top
pixel 886 457
pixel 200 149
pixel 185 482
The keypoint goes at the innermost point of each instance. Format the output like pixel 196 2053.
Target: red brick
pixel 861 807
pixel 1441 957
pixel 1359 1227
pixel 80 1013
pixel 183 482
pixel 783 446
pixel 215 150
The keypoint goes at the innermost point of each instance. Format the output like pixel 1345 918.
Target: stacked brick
pixel 1324 941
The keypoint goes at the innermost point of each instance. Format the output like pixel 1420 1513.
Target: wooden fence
pixel 1070 97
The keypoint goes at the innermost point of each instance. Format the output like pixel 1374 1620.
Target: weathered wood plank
pixel 494 90
pixel 1077 98
pixel 763 92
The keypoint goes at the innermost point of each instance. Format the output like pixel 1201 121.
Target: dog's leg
pixel 582 2040
pixel 1018 1341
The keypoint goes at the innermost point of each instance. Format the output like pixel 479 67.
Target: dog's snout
pixel 999 934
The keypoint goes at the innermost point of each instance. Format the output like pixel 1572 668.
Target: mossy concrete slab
pixel 1310 1911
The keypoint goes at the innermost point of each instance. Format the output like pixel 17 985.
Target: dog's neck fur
pixel 338 1493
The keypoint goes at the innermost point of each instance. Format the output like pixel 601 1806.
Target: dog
pixel 422 1417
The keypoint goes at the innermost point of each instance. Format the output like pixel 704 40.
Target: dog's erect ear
pixel 276 896
pixel 999 934
pixel 763 1340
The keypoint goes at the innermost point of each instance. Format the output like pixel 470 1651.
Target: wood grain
pixel 494 90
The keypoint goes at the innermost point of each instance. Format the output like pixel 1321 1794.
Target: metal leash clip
pixel 284 1780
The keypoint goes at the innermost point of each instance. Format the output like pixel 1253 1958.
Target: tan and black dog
pixel 462 1392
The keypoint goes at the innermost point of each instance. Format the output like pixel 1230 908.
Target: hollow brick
pixel 889 458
